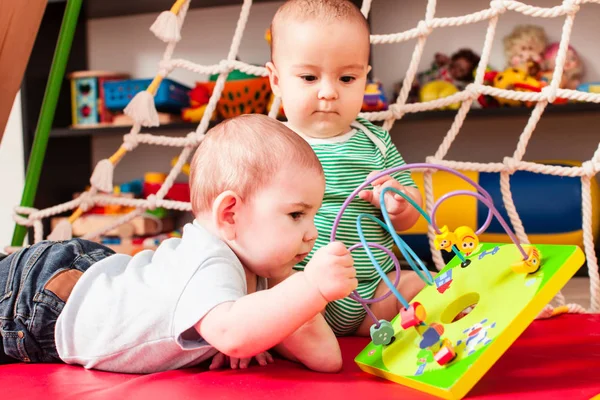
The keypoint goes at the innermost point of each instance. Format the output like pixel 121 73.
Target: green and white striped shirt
pixel 347 160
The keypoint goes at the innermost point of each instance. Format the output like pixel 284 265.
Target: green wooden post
pixel 42 131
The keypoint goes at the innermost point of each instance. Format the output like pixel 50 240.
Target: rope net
pixel 167 28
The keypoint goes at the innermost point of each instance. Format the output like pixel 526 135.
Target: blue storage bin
pixel 170 97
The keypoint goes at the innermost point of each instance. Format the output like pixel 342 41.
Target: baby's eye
pixel 308 78
pixel 296 215
pixel 347 79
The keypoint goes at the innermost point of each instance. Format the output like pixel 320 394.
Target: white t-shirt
pixel 134 314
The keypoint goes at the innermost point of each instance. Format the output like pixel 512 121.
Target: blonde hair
pixel 317 10
pixel 535 34
pixel 242 154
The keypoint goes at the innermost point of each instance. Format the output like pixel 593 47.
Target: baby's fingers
pixel 218 361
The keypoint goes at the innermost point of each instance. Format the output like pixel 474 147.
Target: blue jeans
pixel 35 284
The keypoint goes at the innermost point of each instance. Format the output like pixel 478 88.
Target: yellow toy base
pixel 483 309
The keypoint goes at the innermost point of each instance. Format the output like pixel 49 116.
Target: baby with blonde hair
pixel 256 187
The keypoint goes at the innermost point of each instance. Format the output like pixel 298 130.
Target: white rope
pixel 568 9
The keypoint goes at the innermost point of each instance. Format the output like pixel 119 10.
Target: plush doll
pixel 458 69
pixel 572 70
pixel 524 48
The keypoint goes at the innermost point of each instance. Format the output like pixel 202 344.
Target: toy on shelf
pixel 185 168
pixel 199 97
pixel 437 90
pixel 243 94
pixel 468 316
pixel 374 99
pixel 135 244
pixel 121 119
pixel 152 222
pixel 524 48
pixel 589 87
pixel 572 70
pixel 143 225
pixel 513 79
pixel 458 70
pixel 179 191
pixel 88 106
pixel 170 96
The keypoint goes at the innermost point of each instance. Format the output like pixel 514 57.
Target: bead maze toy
pixel 456 328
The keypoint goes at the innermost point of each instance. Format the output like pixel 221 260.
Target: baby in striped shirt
pixel 319 65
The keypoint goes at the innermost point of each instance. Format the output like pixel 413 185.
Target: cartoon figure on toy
pixel 531 264
pixel 445 240
pixel 443 281
pixel 466 240
pixel 476 335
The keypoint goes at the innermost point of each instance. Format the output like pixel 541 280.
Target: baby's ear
pixel 224 210
pixel 273 78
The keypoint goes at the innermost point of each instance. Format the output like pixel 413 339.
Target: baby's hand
pixel 221 360
pixel 331 270
pixel 394 203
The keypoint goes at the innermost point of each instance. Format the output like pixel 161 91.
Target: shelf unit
pixel 428 115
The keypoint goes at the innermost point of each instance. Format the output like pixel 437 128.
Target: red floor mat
pixel 553 359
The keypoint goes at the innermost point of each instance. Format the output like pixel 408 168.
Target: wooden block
pixel 139 226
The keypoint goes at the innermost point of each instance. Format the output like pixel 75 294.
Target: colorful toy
pixel 466 240
pixel 243 94
pixel 572 70
pixel 518 80
pixel 436 90
pixel 445 240
pixel 589 87
pixel 87 97
pixel 185 168
pixel 374 99
pixel 468 325
pixel 170 97
pixel 531 264
pixel 179 191
pixel 199 97
pixel 458 69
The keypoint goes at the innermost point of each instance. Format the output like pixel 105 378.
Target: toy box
pixel 88 107
pixel 170 96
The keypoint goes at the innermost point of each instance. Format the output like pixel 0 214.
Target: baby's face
pixel 276 226
pixel 320 71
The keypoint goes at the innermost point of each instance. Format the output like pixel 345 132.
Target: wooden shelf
pixel 119 8
pixel 506 111
pixel 120 130
pixel 427 115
